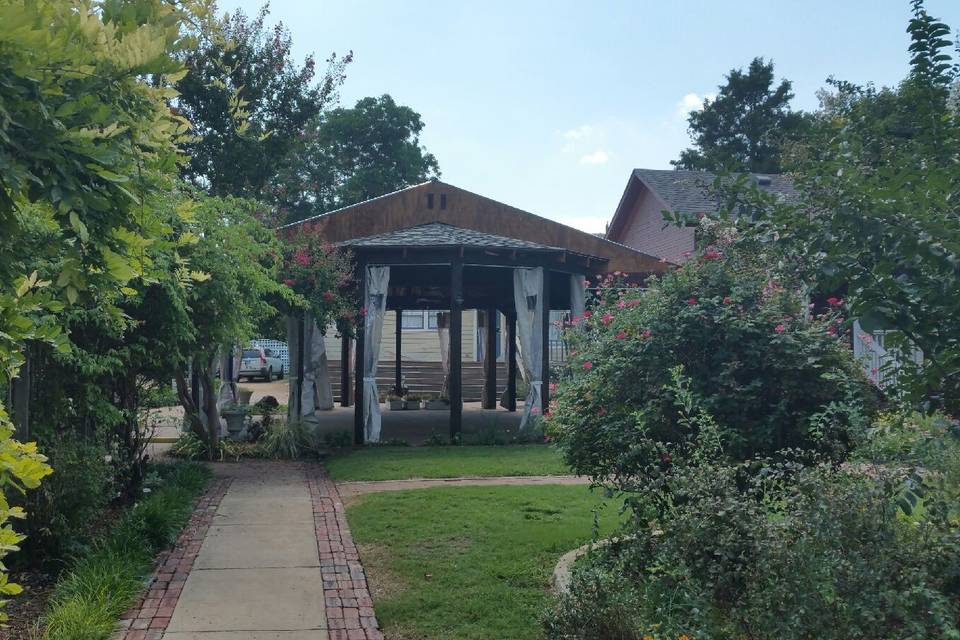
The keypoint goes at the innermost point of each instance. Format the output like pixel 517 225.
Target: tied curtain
pixel 577 300
pixel 443 332
pixel 375 303
pixel 528 299
pixel 317 394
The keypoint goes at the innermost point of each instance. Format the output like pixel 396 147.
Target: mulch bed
pixel 24 610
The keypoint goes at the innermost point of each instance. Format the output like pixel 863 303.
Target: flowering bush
pixel 774 374
pixel 319 274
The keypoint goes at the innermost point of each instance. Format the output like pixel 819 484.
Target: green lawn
pixel 401 463
pixel 469 562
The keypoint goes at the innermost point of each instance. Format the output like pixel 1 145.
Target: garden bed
pixel 404 463
pixel 469 562
pixel 98 587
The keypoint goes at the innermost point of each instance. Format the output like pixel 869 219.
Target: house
pixel 638 223
pixel 638 220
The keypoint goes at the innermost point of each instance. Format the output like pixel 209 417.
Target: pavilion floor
pixel 416 427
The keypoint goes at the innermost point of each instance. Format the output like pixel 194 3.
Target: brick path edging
pixel 349 606
pixel 148 619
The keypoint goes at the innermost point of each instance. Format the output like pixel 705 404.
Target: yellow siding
pixel 418 346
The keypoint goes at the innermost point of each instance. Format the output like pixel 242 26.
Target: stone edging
pixel 148 619
pixel 563 572
pixel 347 598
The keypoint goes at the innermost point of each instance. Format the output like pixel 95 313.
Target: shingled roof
pixel 686 191
pixel 439 234
pixel 689 191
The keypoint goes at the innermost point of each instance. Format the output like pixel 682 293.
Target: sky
pixel 547 106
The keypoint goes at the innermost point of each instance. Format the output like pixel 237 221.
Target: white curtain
pixel 528 299
pixel 375 302
pixel 443 332
pixel 317 394
pixel 577 302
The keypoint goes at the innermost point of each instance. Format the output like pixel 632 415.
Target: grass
pixel 402 463
pixel 463 563
pixel 100 586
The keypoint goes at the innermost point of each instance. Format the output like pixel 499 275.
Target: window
pixel 443 201
pixel 412 320
pixel 419 320
pixel 429 201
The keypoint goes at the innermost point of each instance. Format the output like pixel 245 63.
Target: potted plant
pixel 395 402
pixel 436 403
pixel 243 396
pixel 236 417
pixel 412 401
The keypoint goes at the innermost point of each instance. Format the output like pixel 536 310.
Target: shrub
pixel 786 552
pixel 67 507
pixel 771 377
pixel 189 446
pixel 101 585
pixel 287 440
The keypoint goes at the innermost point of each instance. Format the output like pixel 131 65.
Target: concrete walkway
pixel 258 569
pixel 350 489
pixel 276 562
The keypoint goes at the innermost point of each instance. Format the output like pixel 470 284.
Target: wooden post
pixel 20 399
pixel 345 370
pixel 490 361
pixel 512 361
pixel 398 367
pixel 545 301
pixel 456 330
pixel 358 372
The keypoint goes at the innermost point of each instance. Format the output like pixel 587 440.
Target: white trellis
pixel 278 348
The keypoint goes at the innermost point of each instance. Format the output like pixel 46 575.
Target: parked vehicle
pixel 258 362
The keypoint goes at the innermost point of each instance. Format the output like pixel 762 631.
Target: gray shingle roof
pixel 439 234
pixel 689 191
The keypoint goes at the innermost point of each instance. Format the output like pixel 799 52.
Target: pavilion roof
pixel 440 234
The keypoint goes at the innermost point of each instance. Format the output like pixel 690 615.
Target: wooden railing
pixel 881 366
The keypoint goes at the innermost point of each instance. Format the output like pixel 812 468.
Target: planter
pixel 436 405
pixel 243 396
pixel 235 423
pixel 411 405
pixel 396 405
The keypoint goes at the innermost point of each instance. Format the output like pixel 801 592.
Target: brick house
pixel 638 221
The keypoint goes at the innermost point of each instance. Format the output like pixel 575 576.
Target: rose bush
pixel 774 373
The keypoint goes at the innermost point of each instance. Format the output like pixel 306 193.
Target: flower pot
pixel 411 405
pixel 235 423
pixel 396 405
pixel 436 405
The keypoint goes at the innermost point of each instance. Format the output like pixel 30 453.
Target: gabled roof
pixel 410 213
pixel 685 191
pixel 439 234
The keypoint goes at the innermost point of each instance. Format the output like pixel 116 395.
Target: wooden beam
pixel 398 343
pixel 456 356
pixel 358 435
pixel 345 370
pixel 490 360
pixel 511 361
pixel 545 297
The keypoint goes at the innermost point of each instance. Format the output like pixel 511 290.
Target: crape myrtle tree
pixel 745 127
pixel 248 102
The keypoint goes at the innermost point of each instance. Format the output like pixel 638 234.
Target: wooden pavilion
pixel 436 246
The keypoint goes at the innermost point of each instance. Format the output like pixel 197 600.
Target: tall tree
pixel 744 127
pixel 354 154
pixel 249 102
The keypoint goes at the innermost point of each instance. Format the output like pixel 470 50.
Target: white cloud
pixel 692 102
pixel 582 132
pixel 597 157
